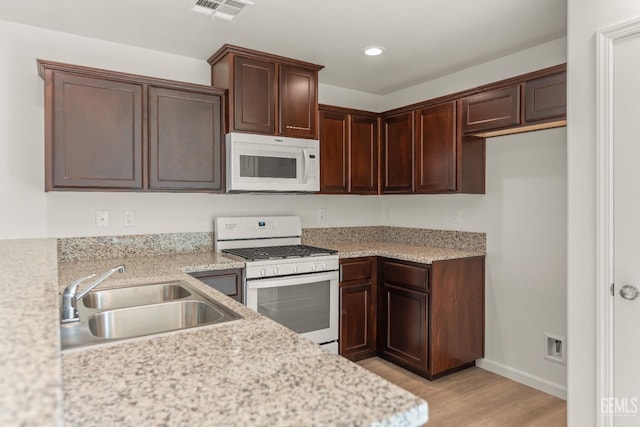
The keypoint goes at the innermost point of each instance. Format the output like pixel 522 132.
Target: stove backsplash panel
pixel 107 247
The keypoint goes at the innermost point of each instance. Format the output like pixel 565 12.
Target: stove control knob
pixel 263 272
pixel 275 270
pixel 313 267
pixel 295 268
pixel 324 266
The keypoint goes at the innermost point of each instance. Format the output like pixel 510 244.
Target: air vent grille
pixel 208 4
pixel 227 10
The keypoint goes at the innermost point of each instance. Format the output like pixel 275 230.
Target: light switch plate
pixel 129 218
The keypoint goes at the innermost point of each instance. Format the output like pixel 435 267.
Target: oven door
pixel 307 304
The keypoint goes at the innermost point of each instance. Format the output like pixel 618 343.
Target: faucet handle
pixel 72 288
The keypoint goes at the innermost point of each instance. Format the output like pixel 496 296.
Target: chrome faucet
pixel 70 296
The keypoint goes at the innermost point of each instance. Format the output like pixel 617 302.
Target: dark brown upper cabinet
pixel 298 101
pixel 424 152
pixel 252 105
pixel 525 103
pixel 184 140
pixel 334 152
pixel 106 130
pixel 545 98
pixel 437 149
pixel 348 151
pixel 491 110
pixel 396 168
pixel 268 94
pixel 93 132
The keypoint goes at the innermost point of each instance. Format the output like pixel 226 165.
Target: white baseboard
pixel 541 384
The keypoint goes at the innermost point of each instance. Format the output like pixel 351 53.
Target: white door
pixel 626 231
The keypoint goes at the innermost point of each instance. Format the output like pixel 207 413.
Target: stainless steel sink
pixel 141 310
pixel 134 295
pixel 152 319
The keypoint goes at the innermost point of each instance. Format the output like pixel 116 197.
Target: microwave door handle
pixel 305 165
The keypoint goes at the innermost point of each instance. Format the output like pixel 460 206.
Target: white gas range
pixel 296 285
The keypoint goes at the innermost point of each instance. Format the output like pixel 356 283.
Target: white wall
pixel 524 216
pixel 27 211
pixel 341 97
pixel 585 17
pixel 535 58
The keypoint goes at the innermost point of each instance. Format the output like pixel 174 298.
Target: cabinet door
pixel 397 151
pixel 357 308
pixel 298 102
pixel 96 141
pixel 545 98
pixel 437 149
pixel 403 327
pixel 334 152
pixel 254 97
pixel 364 154
pixel 357 339
pixel 185 133
pixel 491 110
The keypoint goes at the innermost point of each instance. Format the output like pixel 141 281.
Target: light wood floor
pixel 475 397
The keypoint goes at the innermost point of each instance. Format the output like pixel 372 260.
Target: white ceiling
pixel 424 39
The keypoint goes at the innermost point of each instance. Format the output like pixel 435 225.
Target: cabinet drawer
pixel 409 276
pixel 355 269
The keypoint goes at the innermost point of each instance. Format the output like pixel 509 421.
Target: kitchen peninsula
pixel 250 372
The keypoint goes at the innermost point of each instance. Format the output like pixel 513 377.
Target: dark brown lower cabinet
pixel 431 317
pixel 357 308
pixel 229 282
pixel 405 339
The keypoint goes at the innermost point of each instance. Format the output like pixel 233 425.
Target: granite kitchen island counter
pixel 249 372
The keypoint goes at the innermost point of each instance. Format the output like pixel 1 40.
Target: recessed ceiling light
pixel 373 51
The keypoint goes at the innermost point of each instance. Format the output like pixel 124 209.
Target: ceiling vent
pixel 226 10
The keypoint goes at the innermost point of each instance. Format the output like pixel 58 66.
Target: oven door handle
pixel 291 280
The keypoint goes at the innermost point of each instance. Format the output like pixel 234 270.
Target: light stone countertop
pixel 415 253
pixel 249 372
pixel 252 372
pixel 30 384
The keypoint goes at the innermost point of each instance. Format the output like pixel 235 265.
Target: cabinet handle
pixel 297 127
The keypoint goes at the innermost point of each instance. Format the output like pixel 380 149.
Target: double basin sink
pixel 141 310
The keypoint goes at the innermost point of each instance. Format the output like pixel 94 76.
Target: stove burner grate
pixel 279 252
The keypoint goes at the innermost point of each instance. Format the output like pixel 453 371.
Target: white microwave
pixel 264 163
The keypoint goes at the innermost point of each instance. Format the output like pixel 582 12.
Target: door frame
pixel 605 56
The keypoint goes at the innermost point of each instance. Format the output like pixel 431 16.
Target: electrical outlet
pixel 102 219
pixel 555 348
pixel 388 213
pixel 322 214
pixel 456 216
pixel 129 218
